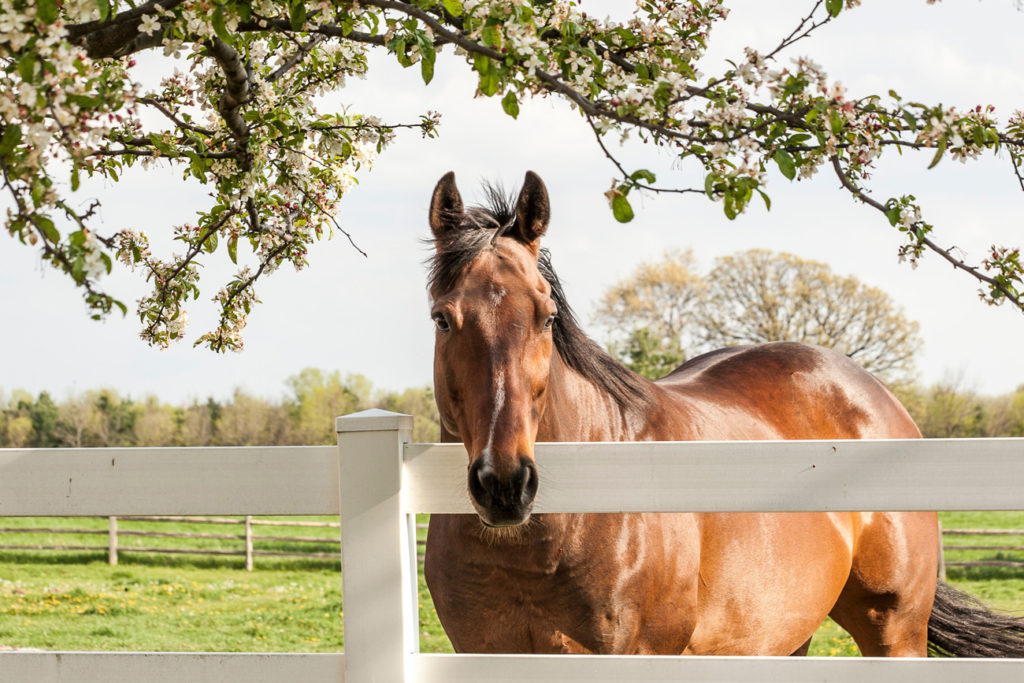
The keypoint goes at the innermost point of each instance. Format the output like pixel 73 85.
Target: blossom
pixel 149 24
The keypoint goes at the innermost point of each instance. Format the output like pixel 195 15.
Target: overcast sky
pixel 369 315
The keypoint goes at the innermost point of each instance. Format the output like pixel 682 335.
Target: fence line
pixel 114 532
pixel 380 481
pixel 114 549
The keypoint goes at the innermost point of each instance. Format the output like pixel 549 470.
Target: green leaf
pixel 104 8
pixel 233 248
pixel 766 198
pixel 297 15
pixel 27 66
pixel 709 184
pixel 834 7
pixel 217 21
pixel 75 180
pixel 938 153
pixel 46 11
pixel 786 163
pixel 621 209
pixel 10 139
pixel 454 7
pixel 510 104
pixel 491 36
pixel 643 174
pixel 49 229
pixel 893 214
pixel 427 57
pixel 427 69
pixel 121 306
pixel 210 245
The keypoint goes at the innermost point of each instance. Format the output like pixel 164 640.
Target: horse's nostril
pixel 528 490
pixel 501 496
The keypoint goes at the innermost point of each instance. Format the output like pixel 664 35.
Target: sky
pixel 369 315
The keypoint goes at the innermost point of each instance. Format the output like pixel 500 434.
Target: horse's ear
pixel 533 211
pixel 446 208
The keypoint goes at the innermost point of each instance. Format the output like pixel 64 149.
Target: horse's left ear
pixel 446 208
pixel 533 211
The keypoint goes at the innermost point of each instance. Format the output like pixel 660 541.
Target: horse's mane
pixel 480 228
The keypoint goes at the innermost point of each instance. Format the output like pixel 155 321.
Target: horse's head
pixel 492 352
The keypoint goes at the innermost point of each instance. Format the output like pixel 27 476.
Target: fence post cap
pixel 373 420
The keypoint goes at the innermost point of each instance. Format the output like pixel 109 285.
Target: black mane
pixel 480 228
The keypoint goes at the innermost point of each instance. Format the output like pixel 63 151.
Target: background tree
pixel 241 119
pixel 761 296
pixel 669 311
pixel 647 314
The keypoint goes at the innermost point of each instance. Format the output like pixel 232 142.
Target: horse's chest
pixel 560 608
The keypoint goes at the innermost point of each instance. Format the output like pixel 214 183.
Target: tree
pixel 647 314
pixel 242 120
pixel 748 298
pixel 760 296
pixel 319 397
pixel 418 402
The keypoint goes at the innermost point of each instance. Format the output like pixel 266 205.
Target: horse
pixel 512 367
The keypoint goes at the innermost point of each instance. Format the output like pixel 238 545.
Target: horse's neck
pixel 579 410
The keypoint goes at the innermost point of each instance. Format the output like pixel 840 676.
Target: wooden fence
pixel 244 544
pixel 380 481
pixel 113 548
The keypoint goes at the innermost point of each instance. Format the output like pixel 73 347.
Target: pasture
pixel 75 601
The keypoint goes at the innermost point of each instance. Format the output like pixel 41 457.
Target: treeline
pixel 304 416
pixel 946 410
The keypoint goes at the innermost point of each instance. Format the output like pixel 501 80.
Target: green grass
pixel 76 601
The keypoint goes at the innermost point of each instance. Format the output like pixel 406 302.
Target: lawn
pixel 76 601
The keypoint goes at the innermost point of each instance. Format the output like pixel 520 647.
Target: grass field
pixel 76 601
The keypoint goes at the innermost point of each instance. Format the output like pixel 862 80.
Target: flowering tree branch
pixel 241 120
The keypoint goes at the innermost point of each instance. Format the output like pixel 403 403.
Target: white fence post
pixel 380 613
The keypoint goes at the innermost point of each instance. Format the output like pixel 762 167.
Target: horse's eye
pixel 441 322
pixel 550 321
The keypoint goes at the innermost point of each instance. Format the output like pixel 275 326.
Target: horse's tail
pixel 961 626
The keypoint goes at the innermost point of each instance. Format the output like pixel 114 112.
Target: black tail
pixel 961 626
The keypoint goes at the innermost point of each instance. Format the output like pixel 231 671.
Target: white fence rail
pixel 383 481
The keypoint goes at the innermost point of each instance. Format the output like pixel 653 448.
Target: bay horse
pixel 512 367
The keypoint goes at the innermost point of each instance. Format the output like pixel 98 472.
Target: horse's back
pixel 785 390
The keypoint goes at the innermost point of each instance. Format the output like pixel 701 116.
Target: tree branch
pixel 924 240
pixel 238 76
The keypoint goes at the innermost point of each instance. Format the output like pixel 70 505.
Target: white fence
pixel 383 480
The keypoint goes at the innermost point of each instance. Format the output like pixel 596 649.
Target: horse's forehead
pixel 511 269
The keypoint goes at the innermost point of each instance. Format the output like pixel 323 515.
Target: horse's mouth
pixel 503 517
pixel 504 523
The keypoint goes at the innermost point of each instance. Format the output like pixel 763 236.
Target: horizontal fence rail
pixel 383 480
pixel 83 482
pixel 743 476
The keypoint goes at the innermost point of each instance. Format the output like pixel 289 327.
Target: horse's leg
pixel 802 650
pixel 887 600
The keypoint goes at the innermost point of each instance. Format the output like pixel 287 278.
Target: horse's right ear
pixel 446 208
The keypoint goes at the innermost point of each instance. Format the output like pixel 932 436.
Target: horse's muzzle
pixel 503 499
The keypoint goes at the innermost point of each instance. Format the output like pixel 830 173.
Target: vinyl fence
pixel 383 480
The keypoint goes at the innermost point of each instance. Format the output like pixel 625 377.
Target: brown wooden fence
pixel 246 540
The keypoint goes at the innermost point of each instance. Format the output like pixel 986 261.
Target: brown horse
pixel 512 367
